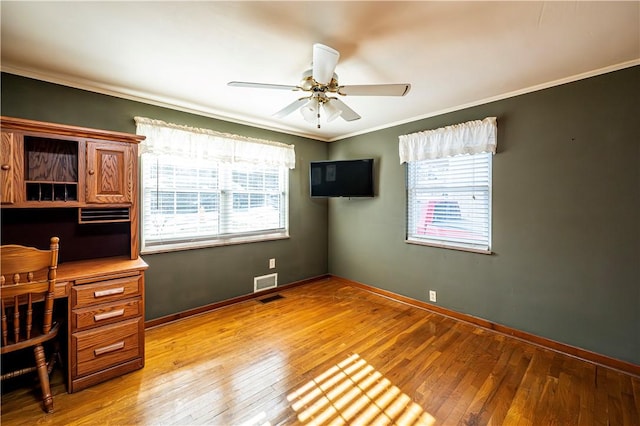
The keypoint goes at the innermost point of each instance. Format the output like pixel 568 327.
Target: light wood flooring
pixel 330 353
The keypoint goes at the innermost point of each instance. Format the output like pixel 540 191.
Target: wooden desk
pixel 85 176
pixel 105 321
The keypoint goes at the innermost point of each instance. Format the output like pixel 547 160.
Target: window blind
pixel 449 202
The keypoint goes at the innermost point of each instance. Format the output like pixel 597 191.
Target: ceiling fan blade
pixel 347 113
pixel 375 90
pixel 261 85
pixel 324 63
pixel 291 107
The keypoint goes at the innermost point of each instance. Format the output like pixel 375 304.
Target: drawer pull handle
pixel 110 292
pixel 110 348
pixel 107 315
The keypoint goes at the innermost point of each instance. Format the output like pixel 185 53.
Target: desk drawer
pixel 61 289
pixel 107 313
pixel 104 347
pixel 106 291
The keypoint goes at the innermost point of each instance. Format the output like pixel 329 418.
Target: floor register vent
pixel 265 282
pixel 271 298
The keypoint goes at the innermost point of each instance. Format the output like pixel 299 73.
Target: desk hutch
pixel 81 185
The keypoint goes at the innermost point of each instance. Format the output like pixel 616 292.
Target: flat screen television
pixel 341 178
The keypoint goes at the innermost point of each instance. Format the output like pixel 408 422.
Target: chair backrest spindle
pixel 28 276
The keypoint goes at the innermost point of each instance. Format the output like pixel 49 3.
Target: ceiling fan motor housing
pixel 307 83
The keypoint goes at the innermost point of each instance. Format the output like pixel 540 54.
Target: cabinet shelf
pixel 51 191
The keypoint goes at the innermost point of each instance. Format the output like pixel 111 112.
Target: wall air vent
pixel 264 282
pixel 104 215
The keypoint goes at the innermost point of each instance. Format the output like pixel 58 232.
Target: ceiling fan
pixel 321 81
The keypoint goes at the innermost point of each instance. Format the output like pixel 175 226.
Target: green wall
pixel 566 214
pixel 566 219
pixel 179 281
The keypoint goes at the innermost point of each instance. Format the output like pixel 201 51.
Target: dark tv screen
pixel 341 178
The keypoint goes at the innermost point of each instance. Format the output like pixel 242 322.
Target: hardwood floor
pixel 330 353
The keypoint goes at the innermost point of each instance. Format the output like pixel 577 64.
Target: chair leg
pixel 43 375
pixel 55 356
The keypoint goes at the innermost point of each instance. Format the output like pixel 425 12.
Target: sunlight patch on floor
pixel 257 420
pixel 354 393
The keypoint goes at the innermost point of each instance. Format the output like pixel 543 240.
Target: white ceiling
pixel 183 54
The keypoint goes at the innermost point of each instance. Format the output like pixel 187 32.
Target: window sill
pixel 192 245
pixel 444 246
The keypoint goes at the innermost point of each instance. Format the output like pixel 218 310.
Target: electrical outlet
pixel 432 296
pixel 272 263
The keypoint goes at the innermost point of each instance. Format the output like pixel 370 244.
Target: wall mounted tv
pixel 341 178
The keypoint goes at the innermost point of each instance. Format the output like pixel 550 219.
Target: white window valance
pixel 472 137
pixel 174 139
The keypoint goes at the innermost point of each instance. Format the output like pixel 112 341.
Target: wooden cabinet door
pixel 110 173
pixel 11 166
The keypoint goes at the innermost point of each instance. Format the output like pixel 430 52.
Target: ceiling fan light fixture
pixel 332 110
pixel 310 110
pixel 324 63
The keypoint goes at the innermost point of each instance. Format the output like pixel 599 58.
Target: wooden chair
pixel 28 277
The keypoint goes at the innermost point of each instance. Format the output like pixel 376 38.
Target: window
pixel 449 185
pixel 218 196
pixel 449 202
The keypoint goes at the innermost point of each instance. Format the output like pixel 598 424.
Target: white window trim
pixel 228 241
pixel 212 241
pixel 456 228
